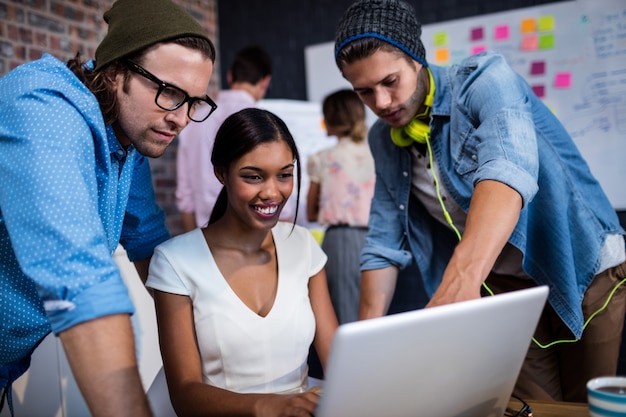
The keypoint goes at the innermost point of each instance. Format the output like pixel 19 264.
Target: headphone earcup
pixel 400 138
pixel 416 130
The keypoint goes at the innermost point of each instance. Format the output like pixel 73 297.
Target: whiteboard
pixel 572 53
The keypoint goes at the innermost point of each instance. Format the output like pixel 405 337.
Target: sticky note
pixel 530 43
pixel 478 48
pixel 501 32
pixel 539 90
pixel 442 55
pixel 440 38
pixel 546 24
pixel 546 41
pixel 563 80
pixel 528 26
pixel 537 68
pixel 477 34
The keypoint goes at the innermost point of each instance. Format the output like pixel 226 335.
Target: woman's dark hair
pixel 241 133
pixel 101 82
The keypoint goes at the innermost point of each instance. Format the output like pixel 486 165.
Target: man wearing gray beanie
pixel 479 184
pixel 75 183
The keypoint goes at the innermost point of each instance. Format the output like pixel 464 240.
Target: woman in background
pixel 240 301
pixel 341 188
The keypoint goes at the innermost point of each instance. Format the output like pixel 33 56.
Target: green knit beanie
pixel 137 24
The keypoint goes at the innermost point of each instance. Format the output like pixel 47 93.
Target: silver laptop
pixel 457 360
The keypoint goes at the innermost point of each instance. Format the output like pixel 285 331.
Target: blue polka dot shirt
pixel 69 194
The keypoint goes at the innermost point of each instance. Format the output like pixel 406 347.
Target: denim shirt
pixel 486 124
pixel 69 194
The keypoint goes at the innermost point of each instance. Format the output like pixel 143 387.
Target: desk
pixel 558 409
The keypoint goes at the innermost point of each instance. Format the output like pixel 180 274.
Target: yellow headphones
pixel 417 130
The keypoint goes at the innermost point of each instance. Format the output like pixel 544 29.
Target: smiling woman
pixel 244 280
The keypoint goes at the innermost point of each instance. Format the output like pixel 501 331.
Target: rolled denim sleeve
pixel 504 144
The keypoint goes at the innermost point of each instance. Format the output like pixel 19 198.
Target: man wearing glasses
pixel 75 183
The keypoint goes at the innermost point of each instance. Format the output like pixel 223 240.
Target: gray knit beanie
pixel 391 21
pixel 137 24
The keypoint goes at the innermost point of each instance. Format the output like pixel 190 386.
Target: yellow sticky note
pixel 440 38
pixel 546 23
pixel 318 234
pixel 528 25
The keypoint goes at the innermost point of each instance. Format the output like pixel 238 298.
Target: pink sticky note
pixel 562 80
pixel 477 34
pixel 501 32
pixel 539 90
pixel 530 43
pixel 479 48
pixel 537 68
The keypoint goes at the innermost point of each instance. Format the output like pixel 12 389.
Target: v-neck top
pixel 240 350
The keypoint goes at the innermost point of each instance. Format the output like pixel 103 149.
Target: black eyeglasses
pixel 169 97
pixel 518 408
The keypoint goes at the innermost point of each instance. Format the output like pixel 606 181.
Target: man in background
pixel 75 183
pixel 197 187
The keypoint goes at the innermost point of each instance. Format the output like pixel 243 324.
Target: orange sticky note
pixel 442 55
pixel 528 25
pixel 562 80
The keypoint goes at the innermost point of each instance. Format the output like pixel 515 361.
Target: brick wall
pixel 28 28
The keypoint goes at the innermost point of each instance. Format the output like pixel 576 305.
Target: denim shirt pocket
pixel 465 151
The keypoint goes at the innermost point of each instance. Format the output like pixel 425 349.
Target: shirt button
pixel 401 206
pixel 474 157
pixel 120 152
pixel 405 174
